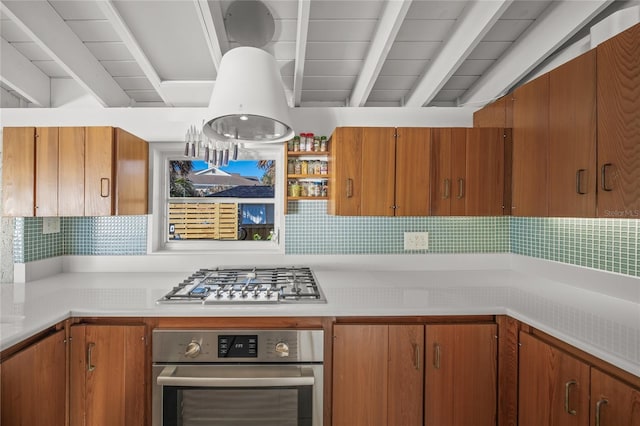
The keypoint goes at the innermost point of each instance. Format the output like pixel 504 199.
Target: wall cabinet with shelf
pixel 307 176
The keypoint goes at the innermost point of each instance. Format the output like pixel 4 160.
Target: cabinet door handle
pixel 579 174
pixel 567 390
pixel 460 189
pixel 416 353
pixel 599 409
pixel 447 186
pixel 436 356
pixel 349 187
pixel 104 187
pixel 90 366
pixel 603 176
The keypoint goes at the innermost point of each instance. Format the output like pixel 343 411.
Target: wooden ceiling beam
pixel 559 22
pixel 304 7
pixel 388 26
pixel 40 21
pixel 19 73
pixel 470 28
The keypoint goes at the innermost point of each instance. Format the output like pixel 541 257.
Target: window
pixel 212 208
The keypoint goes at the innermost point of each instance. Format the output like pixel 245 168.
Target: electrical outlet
pixel 416 240
pixel 50 225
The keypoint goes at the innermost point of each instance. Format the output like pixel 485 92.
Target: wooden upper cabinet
pixel 99 171
pixel 345 171
pixel 496 114
pixel 378 171
pixel 132 174
pixel 448 158
pixel 612 401
pixel 71 171
pixel 18 171
pixel 530 148
pixel 618 94
pixel 108 366
pixel 33 384
pixel 46 203
pixel 553 386
pixel 483 189
pixel 572 138
pixel 461 375
pixel 413 169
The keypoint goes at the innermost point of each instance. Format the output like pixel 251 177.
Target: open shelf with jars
pixel 307 167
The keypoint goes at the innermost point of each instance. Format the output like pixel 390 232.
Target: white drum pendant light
pixel 248 103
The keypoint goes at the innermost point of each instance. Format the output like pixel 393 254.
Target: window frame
pixel 161 153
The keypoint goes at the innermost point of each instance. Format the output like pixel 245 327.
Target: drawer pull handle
pixel 599 405
pixel 436 356
pixel 567 391
pixel 447 186
pixel 603 177
pixel 416 352
pixel 104 187
pixel 579 174
pixel 460 189
pixel 349 188
pixel 90 366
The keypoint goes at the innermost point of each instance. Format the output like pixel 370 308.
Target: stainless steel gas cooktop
pixel 248 285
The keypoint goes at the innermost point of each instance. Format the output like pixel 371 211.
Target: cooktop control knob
pixel 193 349
pixel 282 349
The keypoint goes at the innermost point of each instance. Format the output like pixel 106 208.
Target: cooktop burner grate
pixel 247 285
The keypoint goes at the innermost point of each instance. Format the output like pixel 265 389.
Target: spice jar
pixel 304 167
pixel 323 143
pixel 296 143
pixel 297 168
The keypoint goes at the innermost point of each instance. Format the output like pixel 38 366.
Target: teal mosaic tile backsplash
pixel 311 231
pixel 607 244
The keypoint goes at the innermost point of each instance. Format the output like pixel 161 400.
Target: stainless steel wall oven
pixel 237 377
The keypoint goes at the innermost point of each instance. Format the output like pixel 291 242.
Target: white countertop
pixel 594 321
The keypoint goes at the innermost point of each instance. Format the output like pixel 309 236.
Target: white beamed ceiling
pixel 362 53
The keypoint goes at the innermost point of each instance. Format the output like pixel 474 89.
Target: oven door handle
pixel 167 378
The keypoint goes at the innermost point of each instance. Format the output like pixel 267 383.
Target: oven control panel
pixel 233 345
pixel 238 346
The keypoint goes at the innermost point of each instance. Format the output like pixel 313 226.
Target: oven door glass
pixel 237 395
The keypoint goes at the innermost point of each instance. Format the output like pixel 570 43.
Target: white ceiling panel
pixel 123 68
pixel 325 95
pixel 77 10
pixel 341 30
pixel 283 9
pixel 426 9
pixel 31 51
pixel 396 82
pixel 109 51
pixel 507 30
pixel 144 95
pixel 387 95
pixel 425 30
pixel 414 49
pixel 372 104
pixel 448 95
pixel 328 50
pixel 134 83
pixel 460 82
pixel 526 9
pixel 489 49
pixel 324 68
pixel 171 37
pixel 346 9
pixel 408 67
pixel 12 33
pixel 94 30
pixel 336 82
pixel 51 68
pixel 474 66
pixel 285 30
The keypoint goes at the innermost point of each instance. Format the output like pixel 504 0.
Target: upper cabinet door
pixel 18 166
pixel 71 171
pixel 448 174
pixel 99 171
pixel 619 125
pixel 483 188
pixel 572 138
pixel 46 171
pixel 530 148
pixel 345 182
pixel 132 174
pixel 413 168
pixel 378 171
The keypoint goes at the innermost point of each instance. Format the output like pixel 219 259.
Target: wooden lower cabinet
pixel 377 375
pixel 613 403
pixel 108 375
pixel 461 375
pixel 553 386
pixel 33 384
